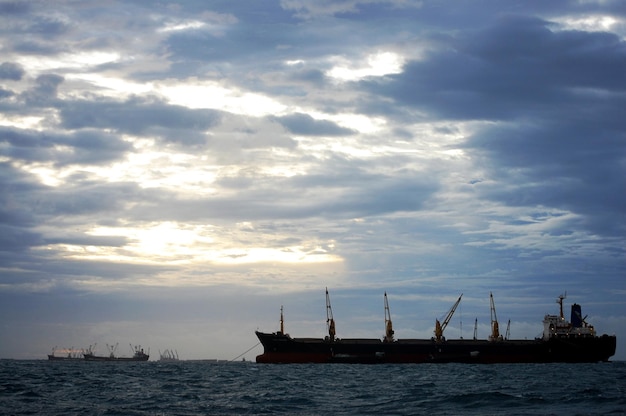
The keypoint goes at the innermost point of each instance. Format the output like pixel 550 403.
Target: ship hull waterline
pixel 281 348
pixel 60 358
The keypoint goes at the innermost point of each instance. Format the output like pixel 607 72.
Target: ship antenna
pixel 388 324
pixel 476 328
pixel 330 322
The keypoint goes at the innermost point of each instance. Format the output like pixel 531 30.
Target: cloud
pixel 62 149
pixel 554 97
pixel 514 69
pixel 45 90
pixel 141 116
pixel 306 125
pixel 11 71
pixel 14 7
pixel 577 167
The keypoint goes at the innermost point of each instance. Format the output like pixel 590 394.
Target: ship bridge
pixel 558 326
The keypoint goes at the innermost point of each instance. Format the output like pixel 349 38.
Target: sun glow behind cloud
pixel 111 86
pixel 175 243
pixel 182 25
pixel 600 23
pixel 201 94
pixel 377 64
pixel 74 61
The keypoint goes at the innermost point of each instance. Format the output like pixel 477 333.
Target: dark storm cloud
pixel 4 94
pixel 44 92
pixel 256 35
pixel 561 96
pixel 31 33
pixel 26 203
pixel 15 239
pixel 578 167
pixel 140 116
pixel 516 68
pixel 267 39
pixel 91 199
pixel 48 27
pixel 306 125
pixel 14 7
pixel 84 147
pixel 308 75
pixel 16 215
pixel 30 47
pixel 203 49
pixel 9 70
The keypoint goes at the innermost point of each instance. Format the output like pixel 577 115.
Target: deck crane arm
pixel 495 330
pixel 440 327
pixel 388 324
pixel 330 322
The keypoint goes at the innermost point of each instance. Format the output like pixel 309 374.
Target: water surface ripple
pixel 201 388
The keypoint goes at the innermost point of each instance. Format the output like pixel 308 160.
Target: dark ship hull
pixel 53 357
pixel 281 348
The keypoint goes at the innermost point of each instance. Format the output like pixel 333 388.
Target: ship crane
pixel 495 330
pixel 112 349
pixel 388 324
pixel 330 322
pixel 440 327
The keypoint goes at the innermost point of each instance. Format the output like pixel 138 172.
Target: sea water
pixel 243 388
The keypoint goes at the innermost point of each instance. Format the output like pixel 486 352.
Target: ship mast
pixel 330 322
pixel 440 327
pixel 282 322
pixel 475 328
pixel 495 330
pixel 388 324
pixel 112 349
pixel 560 302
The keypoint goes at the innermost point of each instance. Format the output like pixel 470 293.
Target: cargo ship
pixel 138 354
pixel 573 341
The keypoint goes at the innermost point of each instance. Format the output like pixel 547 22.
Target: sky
pixel 172 173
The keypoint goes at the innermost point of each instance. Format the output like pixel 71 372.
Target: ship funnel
pixel 577 317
